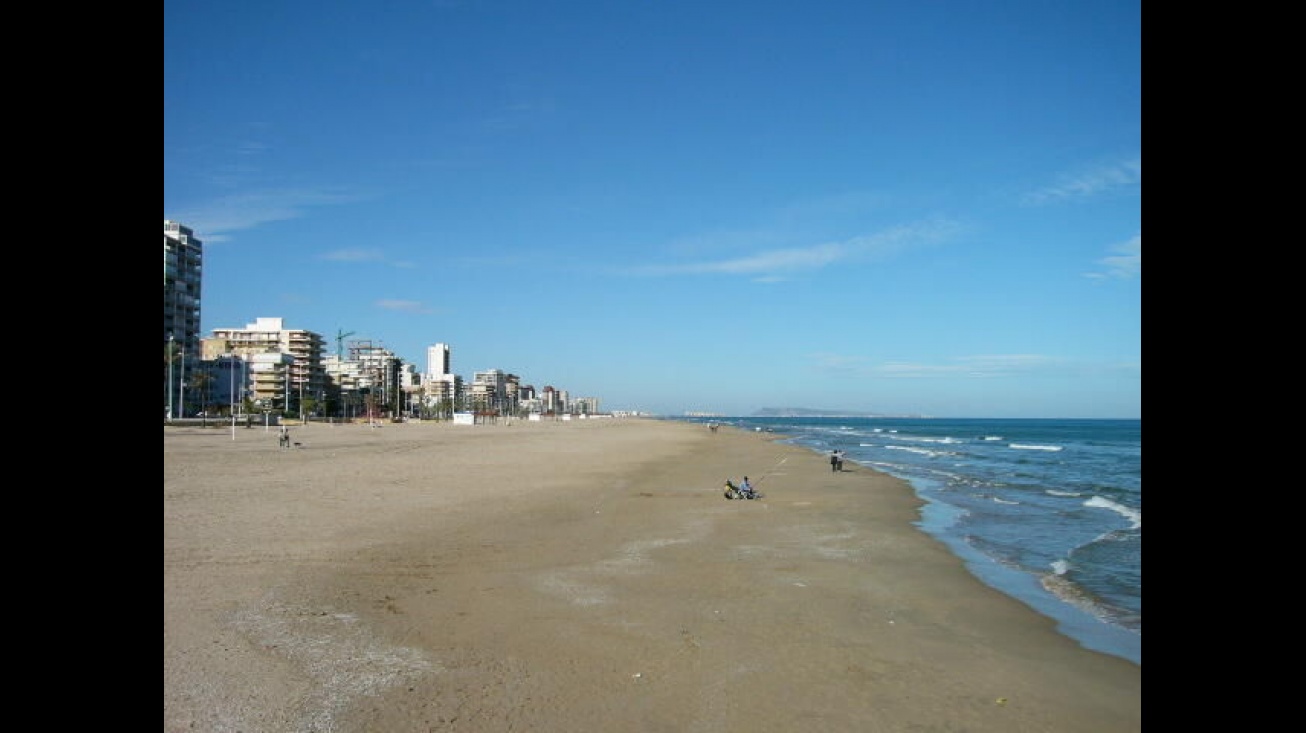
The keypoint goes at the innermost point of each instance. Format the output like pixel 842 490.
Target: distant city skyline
pixel 891 208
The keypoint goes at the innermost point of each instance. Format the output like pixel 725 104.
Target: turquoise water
pixel 1047 511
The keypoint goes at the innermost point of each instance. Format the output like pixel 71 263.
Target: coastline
pixel 585 575
pixel 1078 556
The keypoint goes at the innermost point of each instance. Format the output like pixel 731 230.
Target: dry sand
pixel 584 576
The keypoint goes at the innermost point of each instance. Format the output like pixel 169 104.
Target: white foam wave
pixel 923 439
pixel 1033 446
pixel 991 437
pixel 921 451
pixel 1061 587
pixel 1133 515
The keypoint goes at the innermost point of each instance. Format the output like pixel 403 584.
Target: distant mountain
pixel 808 412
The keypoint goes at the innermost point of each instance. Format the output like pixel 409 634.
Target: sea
pixel 1047 511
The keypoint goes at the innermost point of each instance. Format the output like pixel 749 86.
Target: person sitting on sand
pixel 746 489
pixel 731 491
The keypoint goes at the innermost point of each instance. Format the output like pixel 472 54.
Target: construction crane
pixel 341 335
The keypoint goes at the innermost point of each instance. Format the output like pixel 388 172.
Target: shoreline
pixel 585 575
pixel 1088 622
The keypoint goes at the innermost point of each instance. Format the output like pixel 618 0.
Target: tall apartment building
pixel 440 387
pixel 378 375
pixel 183 257
pixel 282 383
pixel 437 360
pixel 488 389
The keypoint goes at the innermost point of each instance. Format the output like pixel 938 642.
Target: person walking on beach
pixel 283 440
pixel 834 461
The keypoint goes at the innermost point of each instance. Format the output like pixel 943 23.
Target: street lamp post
pixel 170 343
pixel 231 390
pixel 181 383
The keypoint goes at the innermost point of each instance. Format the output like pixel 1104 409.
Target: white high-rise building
pixel 437 361
pixel 441 386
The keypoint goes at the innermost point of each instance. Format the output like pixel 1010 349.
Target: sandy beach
pixel 585 575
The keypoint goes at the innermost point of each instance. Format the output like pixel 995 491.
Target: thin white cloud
pixel 366 255
pixel 1090 183
pixel 774 263
pixel 215 220
pixel 406 306
pixel 785 223
pixel 980 367
pixel 1126 264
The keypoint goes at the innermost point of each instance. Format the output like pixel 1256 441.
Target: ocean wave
pixel 1058 585
pixel 1033 446
pixel 1135 516
pixel 1072 594
pixel 919 451
pixel 923 439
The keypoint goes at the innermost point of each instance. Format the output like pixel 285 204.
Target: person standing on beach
pixel 834 461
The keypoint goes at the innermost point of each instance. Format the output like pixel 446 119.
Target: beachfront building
pixel 299 385
pixel 410 389
pixel 511 394
pixel 552 401
pixel 342 387
pixel 221 383
pixel 183 257
pixel 440 394
pixel 378 377
pixel 487 391
pixel 585 405
pixel 270 382
pixel 437 361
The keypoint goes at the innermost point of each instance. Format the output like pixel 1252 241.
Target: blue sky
pixel 912 207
